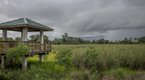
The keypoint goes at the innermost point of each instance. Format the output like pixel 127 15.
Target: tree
pixel 57 41
pixel 10 39
pixel 36 38
pixel 141 40
pixel 65 38
pixel 125 41
pixel 101 41
pixel 93 41
pixel 18 39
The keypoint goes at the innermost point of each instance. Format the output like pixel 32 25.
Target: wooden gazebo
pixel 24 25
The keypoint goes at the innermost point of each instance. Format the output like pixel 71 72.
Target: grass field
pixel 87 62
pixel 50 58
pixel 110 59
pixel 114 59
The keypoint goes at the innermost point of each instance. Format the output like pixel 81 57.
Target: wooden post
pixel 2 62
pixel 41 37
pixel 41 40
pixel 4 34
pixel 45 48
pixel 41 57
pixel 50 47
pixel 24 34
pixel 24 63
pixel 4 38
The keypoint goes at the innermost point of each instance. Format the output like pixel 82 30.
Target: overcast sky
pixel 110 19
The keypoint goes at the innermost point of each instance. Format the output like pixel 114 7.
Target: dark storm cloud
pixel 79 16
pixel 135 2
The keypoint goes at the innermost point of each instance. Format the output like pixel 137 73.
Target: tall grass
pixel 103 57
pixel 90 62
pixel 83 62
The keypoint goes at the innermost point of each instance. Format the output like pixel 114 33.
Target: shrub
pixel 64 57
pixel 14 54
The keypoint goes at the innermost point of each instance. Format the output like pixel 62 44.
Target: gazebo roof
pixel 18 24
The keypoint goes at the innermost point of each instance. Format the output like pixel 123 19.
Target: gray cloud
pixel 135 2
pixel 81 17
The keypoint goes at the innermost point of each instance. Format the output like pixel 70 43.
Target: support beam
pixel 4 34
pixel 41 37
pixel 24 63
pixel 41 57
pixel 41 40
pixel 2 62
pixel 24 34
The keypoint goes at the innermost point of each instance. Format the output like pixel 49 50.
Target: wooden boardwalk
pixel 36 48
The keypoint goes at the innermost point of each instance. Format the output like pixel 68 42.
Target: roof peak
pixel 25 20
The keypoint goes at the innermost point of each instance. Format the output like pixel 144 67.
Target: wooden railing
pixel 35 47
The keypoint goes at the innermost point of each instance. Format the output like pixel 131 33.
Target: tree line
pixel 66 39
pixel 35 38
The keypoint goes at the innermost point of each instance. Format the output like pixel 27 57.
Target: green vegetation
pixel 15 54
pixel 67 39
pixel 85 62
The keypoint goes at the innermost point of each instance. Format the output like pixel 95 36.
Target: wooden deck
pixel 35 47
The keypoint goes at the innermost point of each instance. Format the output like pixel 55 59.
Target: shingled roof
pixel 18 24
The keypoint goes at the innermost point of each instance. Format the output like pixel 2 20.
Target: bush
pixel 14 54
pixel 64 57
pixel 91 59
